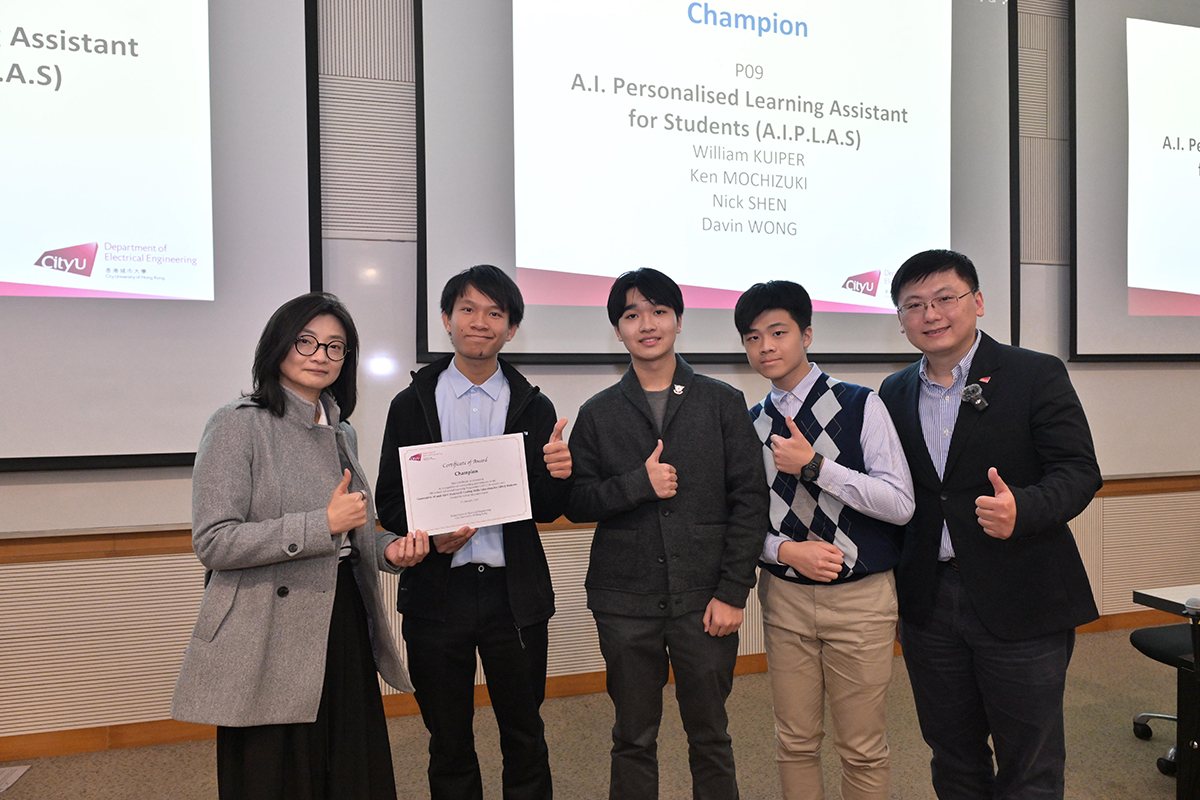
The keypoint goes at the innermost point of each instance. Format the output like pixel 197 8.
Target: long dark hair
pixel 279 336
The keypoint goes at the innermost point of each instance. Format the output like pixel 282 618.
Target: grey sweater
pixel 259 492
pixel 653 557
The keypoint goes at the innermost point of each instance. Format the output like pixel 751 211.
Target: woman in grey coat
pixel 291 630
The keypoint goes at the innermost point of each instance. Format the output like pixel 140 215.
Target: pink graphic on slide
pixel 37 290
pixel 866 283
pixel 541 287
pixel 1159 303
pixel 77 260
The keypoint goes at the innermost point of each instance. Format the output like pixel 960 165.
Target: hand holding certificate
pixel 473 482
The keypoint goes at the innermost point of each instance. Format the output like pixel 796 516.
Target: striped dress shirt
pixel 938 410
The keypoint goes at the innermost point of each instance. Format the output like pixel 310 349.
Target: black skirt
pixel 345 753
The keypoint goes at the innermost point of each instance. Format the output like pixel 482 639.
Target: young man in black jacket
pixel 487 589
pixel 667 462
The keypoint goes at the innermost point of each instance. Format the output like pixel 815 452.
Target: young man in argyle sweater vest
pixel 840 491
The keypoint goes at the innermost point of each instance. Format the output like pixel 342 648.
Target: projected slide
pixel 1164 168
pixel 728 143
pixel 104 125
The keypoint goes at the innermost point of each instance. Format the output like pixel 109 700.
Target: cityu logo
pixel 866 283
pixel 77 260
pixel 415 457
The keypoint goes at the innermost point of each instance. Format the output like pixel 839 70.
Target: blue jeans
pixel 968 684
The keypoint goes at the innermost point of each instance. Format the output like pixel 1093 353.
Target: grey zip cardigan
pixel 259 492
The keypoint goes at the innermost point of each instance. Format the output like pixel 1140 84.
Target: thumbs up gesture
pixel 556 453
pixel 793 453
pixel 662 476
pixel 346 510
pixel 997 514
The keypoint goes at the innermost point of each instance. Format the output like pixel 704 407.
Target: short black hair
pixel 491 281
pixel 783 295
pixel 931 262
pixel 279 336
pixel 656 287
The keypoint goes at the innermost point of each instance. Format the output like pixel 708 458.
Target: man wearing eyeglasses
pixel 990 582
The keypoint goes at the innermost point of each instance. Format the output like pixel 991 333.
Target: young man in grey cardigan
pixel 667 463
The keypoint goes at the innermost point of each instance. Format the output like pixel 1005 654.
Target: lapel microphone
pixel 973 394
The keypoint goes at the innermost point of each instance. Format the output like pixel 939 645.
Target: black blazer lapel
pixel 983 365
pixel 909 429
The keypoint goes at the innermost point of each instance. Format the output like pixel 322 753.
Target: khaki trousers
pixel 830 643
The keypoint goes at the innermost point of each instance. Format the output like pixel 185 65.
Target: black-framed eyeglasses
pixel 944 303
pixel 308 345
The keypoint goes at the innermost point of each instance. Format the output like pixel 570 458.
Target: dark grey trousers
pixel 968 684
pixel 638 652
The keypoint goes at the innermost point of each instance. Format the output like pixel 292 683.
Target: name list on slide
pixel 709 134
pixel 747 161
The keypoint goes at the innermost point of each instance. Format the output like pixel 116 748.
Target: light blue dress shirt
pixel 467 411
pixel 938 409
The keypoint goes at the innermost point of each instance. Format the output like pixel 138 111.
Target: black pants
pixel 967 684
pixel 441 661
pixel 345 753
pixel 638 652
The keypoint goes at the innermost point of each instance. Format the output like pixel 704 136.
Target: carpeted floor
pixel 1109 682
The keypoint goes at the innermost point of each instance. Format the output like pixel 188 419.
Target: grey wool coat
pixel 656 558
pixel 260 488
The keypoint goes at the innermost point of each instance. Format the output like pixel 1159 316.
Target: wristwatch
pixel 812 469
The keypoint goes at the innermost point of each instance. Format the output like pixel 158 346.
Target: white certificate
pixel 473 482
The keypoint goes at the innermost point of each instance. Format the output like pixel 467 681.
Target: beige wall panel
pixel 92 643
pixel 368 159
pixel 389 585
pixel 1088 529
pixel 366 39
pixel 1051 8
pixel 1045 201
pixel 750 635
pixel 1031 80
pixel 1149 541
pixel 1058 95
pixel 1033 31
pixel 574 647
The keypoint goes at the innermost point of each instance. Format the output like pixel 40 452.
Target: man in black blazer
pixel 990 582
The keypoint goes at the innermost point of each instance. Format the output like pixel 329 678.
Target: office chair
pixel 1167 644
